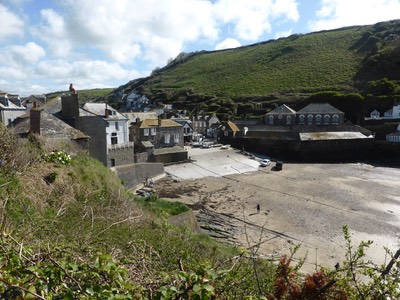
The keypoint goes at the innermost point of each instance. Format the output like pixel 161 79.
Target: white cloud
pixel 338 13
pixel 252 18
pixel 52 31
pixel 283 34
pixel 12 73
pixel 21 56
pixel 227 44
pixel 10 24
pixel 126 29
pixel 287 9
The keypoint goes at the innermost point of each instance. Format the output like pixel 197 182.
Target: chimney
pixel 106 112
pixel 70 106
pixel 35 116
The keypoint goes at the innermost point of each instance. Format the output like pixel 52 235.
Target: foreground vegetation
pixel 70 230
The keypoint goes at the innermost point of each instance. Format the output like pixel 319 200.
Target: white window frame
pixel 153 131
pixel 167 138
pixel 146 132
pixel 318 119
pixel 271 120
pixel 310 119
pixel 335 119
pixel 176 137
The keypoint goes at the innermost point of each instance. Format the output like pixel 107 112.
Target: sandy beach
pixel 303 204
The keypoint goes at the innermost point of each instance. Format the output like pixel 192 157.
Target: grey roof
pixel 99 109
pixel 132 116
pixel 50 126
pixel 320 108
pixel 394 134
pixel 283 109
pixel 11 106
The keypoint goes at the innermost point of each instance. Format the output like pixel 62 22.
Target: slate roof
pixel 283 109
pixel 99 109
pixel 320 108
pixel 132 116
pixel 154 123
pixel 11 106
pixel 50 126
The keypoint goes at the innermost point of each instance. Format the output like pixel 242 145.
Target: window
pixel 176 137
pixel 166 138
pixel 271 120
pixel 318 119
pixel 114 138
pixel 326 119
pixel 335 119
pixel 301 119
pixel 146 132
pixel 116 126
pixel 288 120
pixel 153 131
pixel 309 119
pixel 112 162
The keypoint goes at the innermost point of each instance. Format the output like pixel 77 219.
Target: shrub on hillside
pixel 14 153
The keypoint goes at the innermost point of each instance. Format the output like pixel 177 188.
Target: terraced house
pixel 10 108
pixel 158 140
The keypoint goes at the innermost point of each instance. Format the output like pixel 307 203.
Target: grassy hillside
pixel 299 63
pixel 290 69
pixel 93 95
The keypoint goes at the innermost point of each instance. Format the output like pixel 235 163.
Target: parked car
pixel 265 163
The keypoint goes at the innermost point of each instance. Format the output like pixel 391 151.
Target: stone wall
pixel 141 157
pixel 168 158
pixel 134 175
pixel 120 156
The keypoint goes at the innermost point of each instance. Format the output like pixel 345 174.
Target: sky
pixel 46 45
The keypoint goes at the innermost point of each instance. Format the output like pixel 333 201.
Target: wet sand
pixel 303 204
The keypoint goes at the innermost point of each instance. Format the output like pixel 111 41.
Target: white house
pixel 116 130
pixel 375 114
pixel 10 108
pixel 394 137
pixel 393 113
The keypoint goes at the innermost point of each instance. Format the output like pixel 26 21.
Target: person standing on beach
pixel 258 208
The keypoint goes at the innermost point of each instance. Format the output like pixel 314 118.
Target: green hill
pixel 346 60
